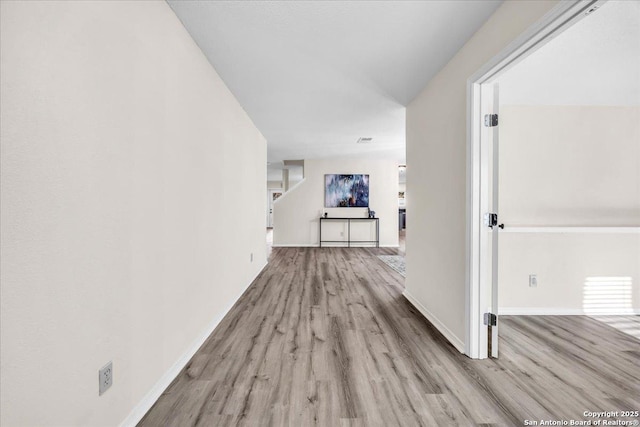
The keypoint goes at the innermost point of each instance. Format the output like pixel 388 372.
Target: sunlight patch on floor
pixel 630 325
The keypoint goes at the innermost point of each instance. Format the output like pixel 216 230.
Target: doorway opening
pixel 402 208
pixel 273 194
pixel 483 223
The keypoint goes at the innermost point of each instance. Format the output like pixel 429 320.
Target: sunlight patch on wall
pixel 607 295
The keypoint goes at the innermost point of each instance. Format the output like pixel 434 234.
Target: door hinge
pixel 490 319
pixel 490 120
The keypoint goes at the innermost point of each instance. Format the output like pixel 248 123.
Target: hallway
pixel 324 337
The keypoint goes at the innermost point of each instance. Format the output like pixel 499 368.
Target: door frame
pixel 478 289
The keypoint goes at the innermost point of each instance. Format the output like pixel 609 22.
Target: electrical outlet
pixel 342 234
pixel 251 258
pixel 105 378
pixel 533 281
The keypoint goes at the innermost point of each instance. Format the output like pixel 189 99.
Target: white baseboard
pixel 453 339
pixel 307 245
pixel 156 391
pixel 543 311
pixel 300 245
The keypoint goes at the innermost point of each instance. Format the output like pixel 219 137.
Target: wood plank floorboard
pixel 324 337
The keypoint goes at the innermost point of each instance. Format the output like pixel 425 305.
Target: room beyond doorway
pixel 482 253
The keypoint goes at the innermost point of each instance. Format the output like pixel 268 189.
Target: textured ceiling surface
pixel 594 62
pixel 315 76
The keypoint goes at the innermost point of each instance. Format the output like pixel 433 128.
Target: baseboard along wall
pixel 450 336
pixel 156 391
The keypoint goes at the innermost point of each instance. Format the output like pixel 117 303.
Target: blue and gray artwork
pixel 346 191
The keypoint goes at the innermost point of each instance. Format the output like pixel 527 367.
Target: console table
pixel 349 241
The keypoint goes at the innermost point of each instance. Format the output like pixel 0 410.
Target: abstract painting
pixel 346 191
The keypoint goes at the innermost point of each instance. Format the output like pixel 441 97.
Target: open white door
pixel 495 228
pixel 489 174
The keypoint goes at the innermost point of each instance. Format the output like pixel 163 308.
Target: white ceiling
pixel 594 62
pixel 315 76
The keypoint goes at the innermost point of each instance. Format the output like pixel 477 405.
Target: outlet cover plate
pixel 105 378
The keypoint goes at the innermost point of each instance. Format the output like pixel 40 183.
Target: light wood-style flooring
pixel 629 324
pixel 324 337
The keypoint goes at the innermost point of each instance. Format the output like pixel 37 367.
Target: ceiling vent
pixel 364 140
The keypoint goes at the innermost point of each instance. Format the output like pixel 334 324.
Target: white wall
pixel 274 184
pixel 296 213
pixel 116 245
pixel 570 165
pixel 567 265
pixel 567 166
pixel 436 172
